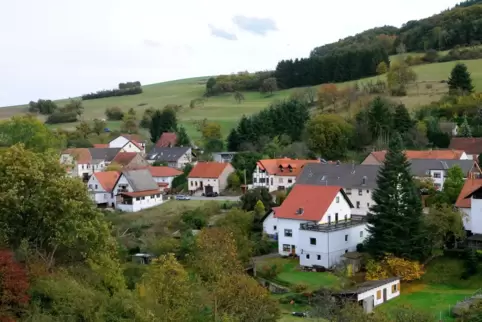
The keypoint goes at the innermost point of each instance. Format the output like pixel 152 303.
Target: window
pixel 255 180
pixel 290 180
pixel 394 288
pixel 368 191
pixel 271 181
pixel 368 204
pixel 192 183
pixel 437 175
pixel 90 186
pixel 337 199
pixel 288 232
pixel 336 217
pixel 358 204
pixel 307 256
pixel 329 219
pixel 312 241
pixel 348 191
pixel 360 192
pixel 346 217
pixel 262 180
pixel 286 248
pixel 274 227
pixel 379 294
pixel 346 237
pixel 96 186
pixel 346 251
pixel 361 233
pixel 138 198
pixel 318 257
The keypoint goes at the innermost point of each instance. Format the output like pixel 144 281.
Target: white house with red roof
pixel 129 143
pixel 469 207
pixel 209 178
pixel 100 186
pixel 315 223
pixel 278 174
pixel 164 176
pixel 135 190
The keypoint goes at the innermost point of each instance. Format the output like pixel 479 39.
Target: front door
pixel 293 249
pixel 208 189
pixel 384 295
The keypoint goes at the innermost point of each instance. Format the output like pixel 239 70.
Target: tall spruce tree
pixel 465 130
pixel 395 221
pixel 182 137
pixel 155 128
pixel 460 80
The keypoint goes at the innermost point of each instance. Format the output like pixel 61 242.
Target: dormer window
pixel 299 211
pixel 364 181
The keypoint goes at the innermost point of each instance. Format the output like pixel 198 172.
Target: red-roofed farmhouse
pixel 209 178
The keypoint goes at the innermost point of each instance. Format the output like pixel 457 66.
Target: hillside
pixel 226 111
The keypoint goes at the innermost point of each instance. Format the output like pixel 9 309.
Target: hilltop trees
pixel 42 106
pixel 396 201
pixel 460 80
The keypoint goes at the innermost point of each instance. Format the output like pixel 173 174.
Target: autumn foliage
pixel 394 266
pixel 14 286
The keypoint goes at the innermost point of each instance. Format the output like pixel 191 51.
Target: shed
pixel 142 258
pixel 354 259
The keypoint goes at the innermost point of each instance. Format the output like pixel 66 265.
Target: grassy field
pixel 224 109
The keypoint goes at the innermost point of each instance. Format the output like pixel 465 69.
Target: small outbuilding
pixel 372 293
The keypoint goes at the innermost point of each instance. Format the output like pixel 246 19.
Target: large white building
pixel 316 223
pixel 100 187
pixel 278 174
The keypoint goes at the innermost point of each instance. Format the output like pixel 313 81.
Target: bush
pixel 62 117
pixel 273 268
pixel 393 266
pixel 360 248
pixel 114 114
pixel 431 56
pixel 300 288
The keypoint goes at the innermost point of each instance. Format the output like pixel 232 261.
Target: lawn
pixel 226 111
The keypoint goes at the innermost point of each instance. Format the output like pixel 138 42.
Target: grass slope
pixel 224 109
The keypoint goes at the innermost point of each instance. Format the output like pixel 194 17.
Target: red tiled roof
pixel 124 158
pixel 101 145
pixel 141 193
pixel 283 167
pixel 166 140
pixel 107 179
pixel 314 200
pixel 163 184
pixel 428 154
pixel 208 170
pixel 470 186
pixel 164 172
pixel 469 145
pixel 81 155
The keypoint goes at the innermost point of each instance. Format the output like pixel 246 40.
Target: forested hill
pixel 460 26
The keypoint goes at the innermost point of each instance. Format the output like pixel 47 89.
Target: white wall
pixel 464 156
pixel 98 193
pixel 466 220
pixel 361 200
pixel 373 292
pixel 270 224
pixel 195 183
pixel 330 246
pixel 167 180
pixel 272 182
pixel 118 142
pixel 476 216
pixel 141 203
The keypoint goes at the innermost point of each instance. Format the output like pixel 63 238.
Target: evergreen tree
pixel 155 128
pixel 380 117
pixel 233 141
pixel 460 80
pixel 465 130
pixel 182 137
pixel 168 120
pixel 402 122
pixel 395 221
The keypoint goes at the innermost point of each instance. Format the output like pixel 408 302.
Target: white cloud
pixel 60 48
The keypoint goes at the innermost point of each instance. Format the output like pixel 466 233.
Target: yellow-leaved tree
pixel 406 269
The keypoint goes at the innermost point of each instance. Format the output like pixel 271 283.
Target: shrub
pixel 62 117
pixel 299 288
pixel 394 266
pixel 114 114
pixel 273 268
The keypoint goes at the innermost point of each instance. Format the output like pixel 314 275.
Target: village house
pixel 358 181
pixel 315 223
pixel 130 160
pixel 371 293
pixel 437 169
pixel 209 178
pixel 100 187
pixel 175 157
pixel 167 140
pixel 83 162
pixel 223 157
pixel 129 143
pixel 136 190
pixel 278 174
pixel 163 176
pixel 377 157
pixel 451 128
pixel 471 146
pixel 472 215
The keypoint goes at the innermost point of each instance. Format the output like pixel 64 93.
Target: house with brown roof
pixel 278 174
pixel 135 190
pixel 209 178
pixel 377 157
pixel 316 223
pixel 167 140
pixel 83 162
pixel 129 143
pixel 130 160
pixel 471 146
pixel 473 216
pixel 164 176
pixel 100 187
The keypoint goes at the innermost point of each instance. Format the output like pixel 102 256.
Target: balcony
pixel 355 220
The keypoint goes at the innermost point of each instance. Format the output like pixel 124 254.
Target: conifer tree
pixel 465 130
pixel 395 221
pixel 460 80
pixel 401 120
pixel 182 137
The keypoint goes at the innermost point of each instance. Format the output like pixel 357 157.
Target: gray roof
pixel 140 180
pixel 167 154
pixel 345 175
pixel 107 154
pixel 421 167
pixel 369 285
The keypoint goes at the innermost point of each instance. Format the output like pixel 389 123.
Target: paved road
pixel 218 198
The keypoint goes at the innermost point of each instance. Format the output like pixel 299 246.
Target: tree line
pixel 129 85
pixel 130 89
pixel 242 81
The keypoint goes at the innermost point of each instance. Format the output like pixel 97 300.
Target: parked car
pixel 211 194
pixel 183 197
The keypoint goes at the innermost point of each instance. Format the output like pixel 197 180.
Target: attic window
pixel 299 211
pixel 364 180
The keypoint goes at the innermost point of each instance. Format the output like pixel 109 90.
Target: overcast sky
pixel 54 49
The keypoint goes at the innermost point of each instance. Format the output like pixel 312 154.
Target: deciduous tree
pixel 83 129
pixel 129 122
pixel 454 183
pixel 98 126
pixel 251 197
pixel 211 131
pixel 444 224
pixel 327 95
pixel 238 96
pixel 269 85
pixel 396 201
pixel 14 286
pixel 399 75
pixel 382 68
